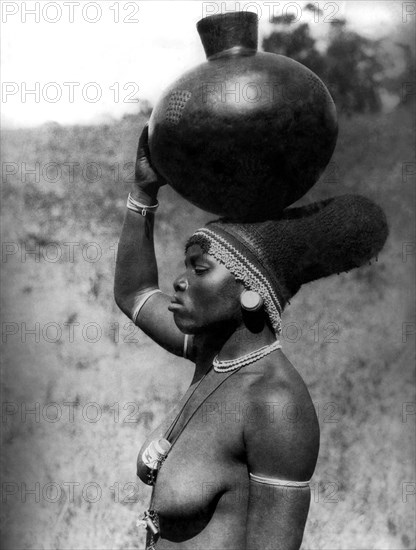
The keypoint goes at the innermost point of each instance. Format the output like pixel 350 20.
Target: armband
pixel 185 346
pixel 143 300
pixel 278 482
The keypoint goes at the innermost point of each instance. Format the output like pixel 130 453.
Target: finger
pixel 144 171
pixel 143 161
pixel 144 136
pixel 143 147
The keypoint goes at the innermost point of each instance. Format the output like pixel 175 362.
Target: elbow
pixel 118 300
pixel 121 301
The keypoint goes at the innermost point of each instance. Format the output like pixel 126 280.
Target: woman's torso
pixel 202 488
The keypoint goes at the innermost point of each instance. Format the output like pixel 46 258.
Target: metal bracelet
pixel 139 208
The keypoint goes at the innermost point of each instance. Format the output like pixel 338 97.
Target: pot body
pixel 245 134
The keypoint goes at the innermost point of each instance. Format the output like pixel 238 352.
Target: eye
pixel 200 270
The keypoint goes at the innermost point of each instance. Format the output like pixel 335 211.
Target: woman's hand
pixel 136 267
pixel 147 181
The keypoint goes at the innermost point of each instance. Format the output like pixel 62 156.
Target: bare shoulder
pixel 281 432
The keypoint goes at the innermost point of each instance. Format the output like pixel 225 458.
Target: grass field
pixel 95 386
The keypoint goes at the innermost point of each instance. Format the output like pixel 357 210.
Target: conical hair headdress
pixel 276 257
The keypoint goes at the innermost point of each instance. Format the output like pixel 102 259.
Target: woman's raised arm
pixel 136 268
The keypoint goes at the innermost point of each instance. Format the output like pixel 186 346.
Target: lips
pixel 175 304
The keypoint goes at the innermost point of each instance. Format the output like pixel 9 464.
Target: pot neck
pixel 224 32
pixel 233 52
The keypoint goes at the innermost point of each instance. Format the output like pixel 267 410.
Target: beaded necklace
pixel 233 364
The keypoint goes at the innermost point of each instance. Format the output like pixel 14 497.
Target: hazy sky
pixel 90 61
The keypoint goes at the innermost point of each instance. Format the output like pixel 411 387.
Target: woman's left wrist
pixel 147 198
pixel 142 208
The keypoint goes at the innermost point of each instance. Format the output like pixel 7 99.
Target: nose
pixel 180 284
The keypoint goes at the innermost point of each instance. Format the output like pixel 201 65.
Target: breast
pixel 203 475
pixel 211 432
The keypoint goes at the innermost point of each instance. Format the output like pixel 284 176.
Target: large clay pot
pixel 246 133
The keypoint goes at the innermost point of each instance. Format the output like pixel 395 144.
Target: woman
pixel 245 437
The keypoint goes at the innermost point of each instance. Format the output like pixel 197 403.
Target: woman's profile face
pixel 207 296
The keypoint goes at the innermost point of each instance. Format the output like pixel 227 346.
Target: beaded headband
pixel 243 270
